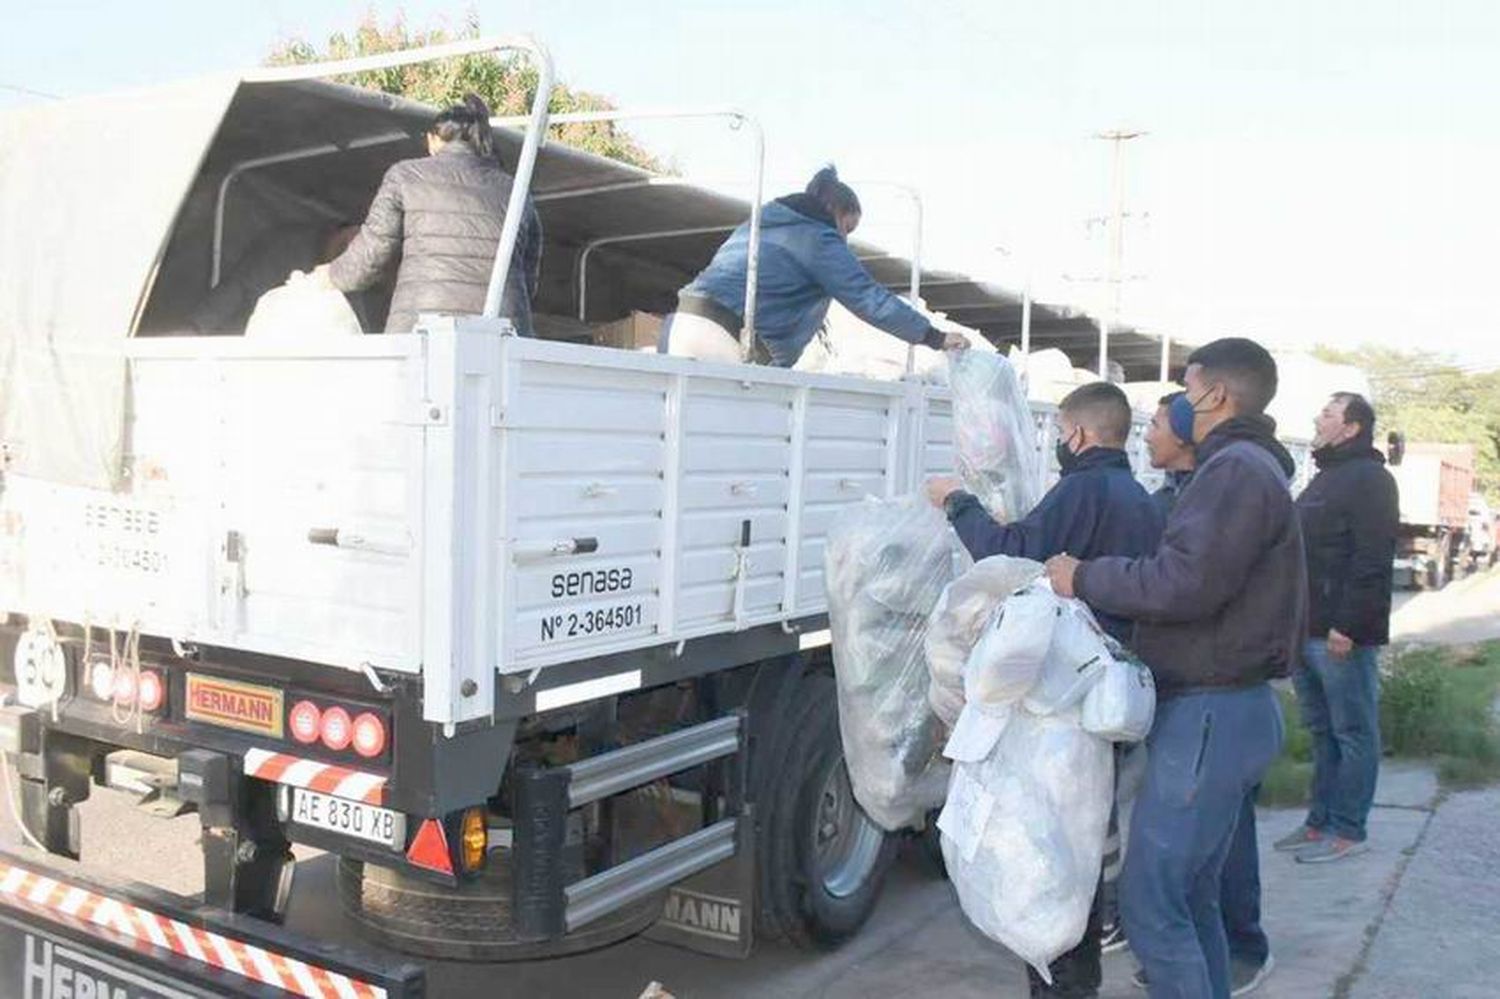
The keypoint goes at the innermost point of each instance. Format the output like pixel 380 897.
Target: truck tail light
pixel 102 679
pixel 305 722
pixel 369 735
pixel 124 692
pixel 473 840
pixel 337 729
pixel 150 690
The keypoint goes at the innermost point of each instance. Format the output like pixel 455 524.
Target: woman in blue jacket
pixel 805 263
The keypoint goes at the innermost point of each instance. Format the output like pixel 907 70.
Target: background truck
pixel 1434 539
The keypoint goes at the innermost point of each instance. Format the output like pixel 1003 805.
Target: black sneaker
pixel 1113 938
pixel 1139 980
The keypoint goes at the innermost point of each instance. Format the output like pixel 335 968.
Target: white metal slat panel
pixel 587 456
pixel 848 447
pixel 735 466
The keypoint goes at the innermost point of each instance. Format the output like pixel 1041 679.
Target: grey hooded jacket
pixel 441 216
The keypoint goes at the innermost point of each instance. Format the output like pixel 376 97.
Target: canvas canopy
pixel 121 212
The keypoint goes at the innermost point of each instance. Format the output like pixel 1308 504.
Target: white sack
pixel 300 309
pixel 1121 704
pixel 1023 834
pixel 994 436
pixel 1076 659
pixel 1008 656
pixel 886 563
pixel 960 615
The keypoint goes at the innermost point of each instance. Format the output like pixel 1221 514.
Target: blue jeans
pixel 1340 705
pixel 1240 891
pixel 1207 753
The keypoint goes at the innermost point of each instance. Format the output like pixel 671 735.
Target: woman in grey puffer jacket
pixel 442 215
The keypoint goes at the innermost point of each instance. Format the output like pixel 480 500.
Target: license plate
pixel 349 818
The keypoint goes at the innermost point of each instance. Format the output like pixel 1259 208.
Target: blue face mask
pixel 1180 416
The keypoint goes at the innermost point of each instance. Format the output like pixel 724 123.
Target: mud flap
pixel 713 912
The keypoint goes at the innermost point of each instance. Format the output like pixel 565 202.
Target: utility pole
pixel 1110 315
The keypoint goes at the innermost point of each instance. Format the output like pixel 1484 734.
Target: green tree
pixel 1429 397
pixel 507 84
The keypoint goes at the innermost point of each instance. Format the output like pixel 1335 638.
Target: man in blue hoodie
pixel 805 263
pixel 1096 507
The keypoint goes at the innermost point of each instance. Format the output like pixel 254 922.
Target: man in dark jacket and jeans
pixel 1096 508
pixel 1349 514
pixel 1219 611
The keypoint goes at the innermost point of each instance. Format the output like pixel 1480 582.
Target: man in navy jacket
pixel 1097 508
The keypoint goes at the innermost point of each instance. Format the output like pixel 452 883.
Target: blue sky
pixel 1318 171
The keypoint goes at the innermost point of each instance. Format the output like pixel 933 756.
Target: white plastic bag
pixel 1076 658
pixel 300 309
pixel 1008 657
pixel 1023 834
pixel 961 613
pixel 886 564
pixel 1122 703
pixel 994 438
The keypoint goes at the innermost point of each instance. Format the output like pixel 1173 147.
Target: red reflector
pixel 337 729
pixel 305 721
pixel 430 848
pixel 369 735
pixel 150 690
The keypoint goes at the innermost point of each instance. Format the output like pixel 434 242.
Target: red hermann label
pixel 231 704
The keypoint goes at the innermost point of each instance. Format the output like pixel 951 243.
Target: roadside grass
pixel 1436 704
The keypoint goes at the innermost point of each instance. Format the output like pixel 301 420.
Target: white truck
pixel 529 634
pixel 525 632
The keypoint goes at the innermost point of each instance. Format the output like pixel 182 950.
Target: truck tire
pixel 469 923
pixel 822 862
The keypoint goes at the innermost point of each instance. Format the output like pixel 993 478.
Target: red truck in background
pixel 1434 541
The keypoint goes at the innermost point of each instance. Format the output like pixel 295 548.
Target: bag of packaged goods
pixel 886 563
pixel 1008 657
pixel 963 610
pixel 302 309
pixel 1077 657
pixel 1023 833
pixel 1121 705
pixel 994 437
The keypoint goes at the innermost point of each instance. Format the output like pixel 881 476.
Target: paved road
pixel 1467 610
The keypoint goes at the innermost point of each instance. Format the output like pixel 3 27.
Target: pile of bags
pixel 994 437
pixel 1040 692
pixel 886 564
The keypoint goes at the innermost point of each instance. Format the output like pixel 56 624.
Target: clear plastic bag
pixel 961 614
pixel 1121 704
pixel 994 438
pixel 887 562
pixel 1023 834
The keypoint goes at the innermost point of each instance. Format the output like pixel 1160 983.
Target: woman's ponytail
pixel 833 194
pixel 468 122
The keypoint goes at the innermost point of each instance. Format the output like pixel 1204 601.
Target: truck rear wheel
pixel 822 861
pixel 471 922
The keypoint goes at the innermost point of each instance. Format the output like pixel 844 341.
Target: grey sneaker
pixel 1245 978
pixel 1331 848
pixel 1297 839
